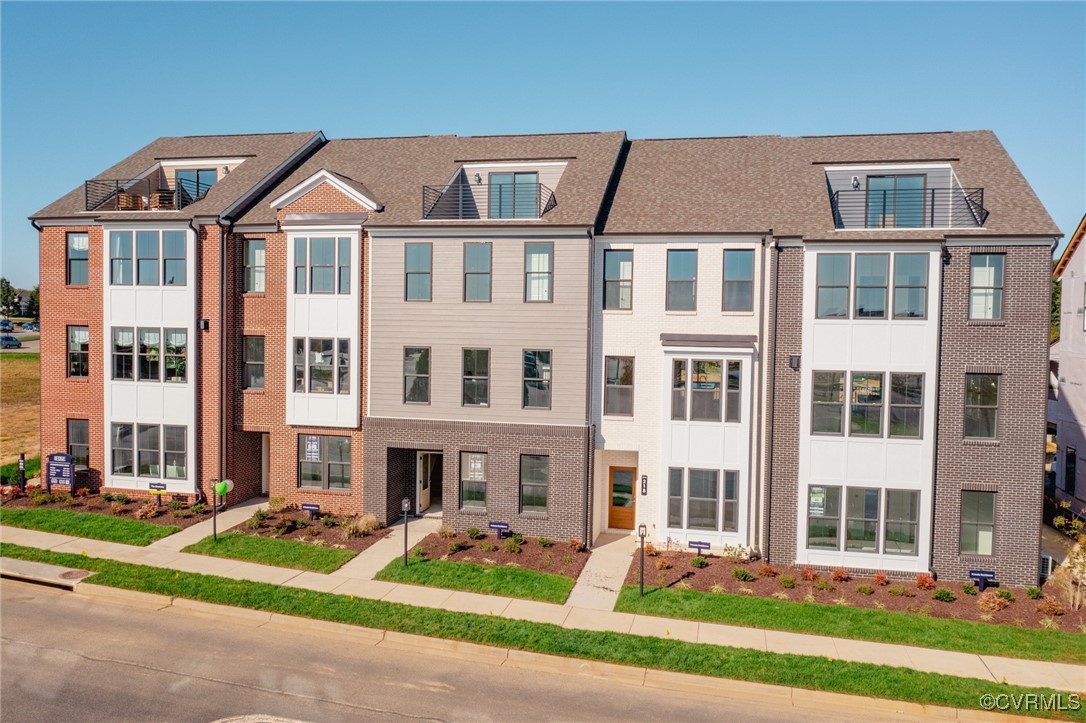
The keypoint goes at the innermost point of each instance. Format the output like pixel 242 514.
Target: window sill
pixel 479 511
pixel 254 294
pixel 252 390
pixel 79 380
pixel 974 442
pixel 618 312
pixel 323 491
pixel 619 417
pixel 681 312
pixel 725 312
pixel 985 322
pixel 534 515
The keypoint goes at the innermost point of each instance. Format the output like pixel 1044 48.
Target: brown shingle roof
pixel 396 169
pixel 263 154
pixel 758 183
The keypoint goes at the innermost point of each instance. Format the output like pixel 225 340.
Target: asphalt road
pixel 69 657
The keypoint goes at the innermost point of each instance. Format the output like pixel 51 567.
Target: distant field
pixel 20 384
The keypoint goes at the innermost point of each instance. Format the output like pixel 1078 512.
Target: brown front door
pixel 621 500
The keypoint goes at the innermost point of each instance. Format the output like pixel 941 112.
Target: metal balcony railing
pixel 909 208
pixel 461 201
pixel 154 192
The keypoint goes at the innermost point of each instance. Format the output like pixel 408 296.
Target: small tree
pixel 33 309
pixel 9 302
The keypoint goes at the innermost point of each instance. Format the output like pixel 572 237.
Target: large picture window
pixel 682 280
pixel 981 405
pixel 78 351
pixel 537 379
pixel 534 479
pixel 618 390
pixel 617 279
pixel 416 375
pixel 538 271
pixel 978 522
pixel 832 273
pixel 324 462
pixel 738 280
pixel 324 363
pixel 477 271
pixel 986 286
pixel 78 253
pixel 418 271
pixel 322 265
pixel 476 380
pixel 473 480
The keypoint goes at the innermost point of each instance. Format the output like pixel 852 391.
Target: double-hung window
pixel 325 362
pixel 324 462
pixel 324 263
pixel 476 381
pixel 418 259
pixel 823 517
pixel 675 497
pixel 866 405
pixel 120 258
pixel 321 379
pixel 538 271
pixel 738 280
pixel 828 403
pixel 174 447
pixel 477 271
pixel 832 272
pixel 416 375
pixel 473 480
pixel 986 286
pixel 343 366
pixel 978 522
pixel 906 404
pixel 910 286
pixel 147 258
pixel 173 258
pixel 618 390
pixel 701 503
pixel 537 379
pixel 150 450
pixel 123 352
pixel 981 405
pixel 78 251
pixel 872 278
pixel 902 522
pixel 862 520
pixel 79 443
pixel 682 280
pixel 121 448
pixel 253 362
pixel 78 351
pixel 534 478
pixel 705 393
pixel 254 265
pixel 514 195
pixel 618 279
pixel 150 354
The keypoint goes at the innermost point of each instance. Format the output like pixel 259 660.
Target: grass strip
pixel 883 626
pixel 486 579
pixel 798 671
pixel 9 472
pixel 85 524
pixel 270 551
pixel 19 356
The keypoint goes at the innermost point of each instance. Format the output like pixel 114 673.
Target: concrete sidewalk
pixel 359 581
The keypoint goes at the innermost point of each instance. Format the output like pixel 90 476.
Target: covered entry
pixel 621 500
pixel 427 482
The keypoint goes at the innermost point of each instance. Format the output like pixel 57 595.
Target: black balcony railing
pixel 154 192
pixel 909 208
pixel 461 201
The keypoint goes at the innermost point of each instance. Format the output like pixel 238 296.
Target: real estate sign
pixel 59 469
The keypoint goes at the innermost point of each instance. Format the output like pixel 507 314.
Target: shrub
pixel 840 574
pixel 990 602
pixel 650 550
pixel 823 585
pixel 107 496
pixel 83 492
pixel 257 519
pixel 969 589
pixel 1006 595
pixel 944 594
pixel 175 504
pixel 787 582
pixel 199 508
pixel 473 533
pixel 445 532
pixel 487 546
pixel 781 595
pixel 511 546
pixel 1034 593
pixel 900 591
pixel 544 541
pixel 734 553
pixel 122 498
pixel 809 597
pixel 662 564
pixel 742 574
pixel 358 526
pixel 924 581
pixel 1050 606
pixel 417 551
pixel 767 570
pixel 517 538
pixel 841 601
pixel 881 579
pixel 276 504
pixel 1050 624
pixel 718 589
pixel 865 589
pixel 147 511
pixel 457 546
pixel 699 562
pixel 116 507
pixel 328 521
pixel 808 574
pixel 39 497
pixel 575 545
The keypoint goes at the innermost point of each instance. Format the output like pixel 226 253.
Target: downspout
pixel 198 379
pixel 944 259
pixel 35 225
pixel 224 229
pixel 772 397
pixel 590 429
pixel 759 466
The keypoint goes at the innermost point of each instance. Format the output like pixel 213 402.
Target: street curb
pixel 293 624
pixel 460 650
pixel 133 598
pixel 247 615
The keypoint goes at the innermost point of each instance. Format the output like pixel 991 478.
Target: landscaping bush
pixel 944 594
pixel 865 589
pixel 544 541
pixel 662 564
pixel 808 574
pixel 990 602
pixel 473 533
pixel 517 538
pixel 881 579
pixel 175 504
pixel 699 562
pixel 487 546
pixel 445 532
pixel 1034 593
pixel 328 521
pixel 107 496
pixel 1050 606
pixel 1006 595
pixel 823 585
pixel 276 504
pixel 511 546
pixel 969 589
pixel 256 520
pixel 359 526
pixel 650 550
pixel 767 570
pixel 575 545
pixel 148 511
pixel 924 581
pixel 199 508
pixel 122 498
pixel 840 574
pixel 116 507
pixel 457 546
pixel 900 591
pixel 742 574
pixel 417 551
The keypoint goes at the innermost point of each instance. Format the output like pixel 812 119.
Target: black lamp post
pixel 641 532
pixel 406 507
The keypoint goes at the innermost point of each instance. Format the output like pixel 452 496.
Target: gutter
pixel 759 461
pixel 34 223
pixel 772 397
pixel 225 224
pixel 944 259
pixel 590 429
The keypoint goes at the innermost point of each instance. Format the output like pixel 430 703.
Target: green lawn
pixel 624 649
pixel 9 471
pixel 486 579
pixel 270 551
pixel 84 524
pixel 882 626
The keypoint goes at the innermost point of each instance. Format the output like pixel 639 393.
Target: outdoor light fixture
pixel 642 530
pixel 478 178
pixel 855 183
pixel 406 507
pixel 793 362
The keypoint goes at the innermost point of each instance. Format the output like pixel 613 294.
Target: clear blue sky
pixel 83 85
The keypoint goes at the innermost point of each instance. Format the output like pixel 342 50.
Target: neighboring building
pixel 808 347
pixel 1067 405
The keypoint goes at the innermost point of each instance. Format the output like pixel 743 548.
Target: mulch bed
pixel 557 559
pixel 719 576
pixel 182 518
pixel 291 523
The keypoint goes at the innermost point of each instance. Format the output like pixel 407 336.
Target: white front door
pixel 425 467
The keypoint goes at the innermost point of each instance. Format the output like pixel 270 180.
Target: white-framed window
pixel 254 251
pixel 618 389
pixel 322 265
pixel 321 365
pixel 978 522
pixel 738 280
pixel 473 480
pixel 696 499
pixel 324 462
pixel 538 271
pixel 986 286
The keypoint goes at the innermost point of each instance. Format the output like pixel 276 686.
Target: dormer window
pixel 902 196
pixel 895 201
pixel 514 195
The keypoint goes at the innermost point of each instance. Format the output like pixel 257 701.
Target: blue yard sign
pixel 311 507
pixel 59 470
pixel 699 546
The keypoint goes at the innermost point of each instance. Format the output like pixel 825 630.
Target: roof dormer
pixel 494 191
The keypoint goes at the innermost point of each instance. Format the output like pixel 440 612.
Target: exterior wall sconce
pixel 478 178
pixel 793 362
pixel 855 183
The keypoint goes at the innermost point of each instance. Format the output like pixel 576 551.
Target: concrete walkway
pixel 355 582
pixel 230 517
pixel 601 580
